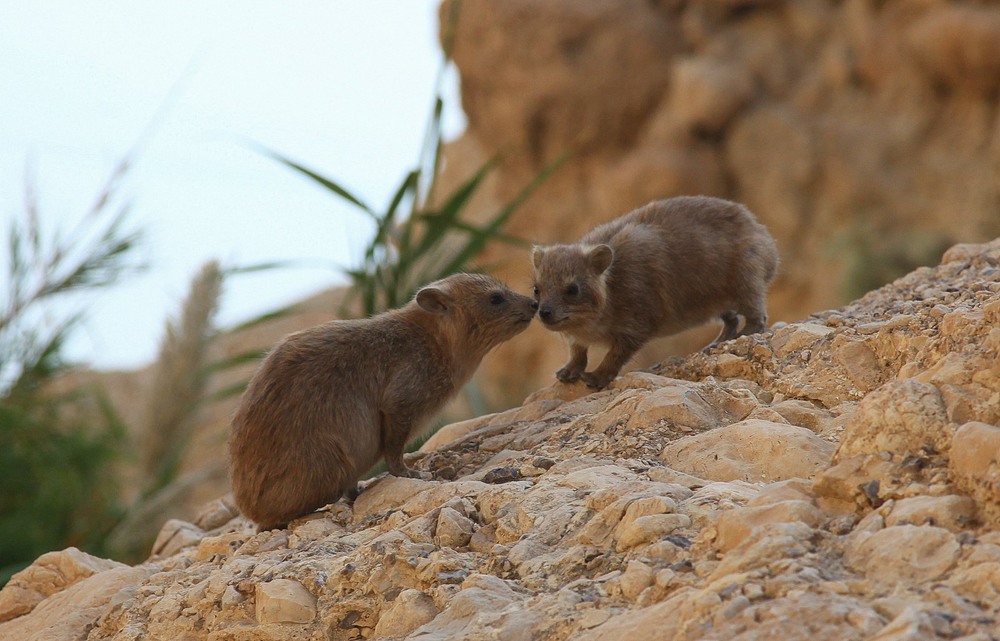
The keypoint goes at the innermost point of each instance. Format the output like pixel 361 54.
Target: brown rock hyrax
pixel 660 269
pixel 328 402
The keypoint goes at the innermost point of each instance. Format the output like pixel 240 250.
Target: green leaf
pixel 325 182
pixel 263 318
pixel 248 356
pixel 230 391
pixel 260 267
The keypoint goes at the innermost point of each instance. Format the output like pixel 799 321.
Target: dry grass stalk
pixel 179 382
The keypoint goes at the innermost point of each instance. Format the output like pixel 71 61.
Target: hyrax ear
pixel 537 253
pixel 599 258
pixel 434 300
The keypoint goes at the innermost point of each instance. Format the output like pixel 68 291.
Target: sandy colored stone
pixel 958 46
pixel 677 405
pixel 910 625
pixel 780 491
pixel 981 581
pixel 481 603
pixel 176 535
pixel 452 529
pixel 954 513
pixel 903 553
pixel 216 513
pixel 751 450
pixel 975 464
pixel 50 573
pixel 804 414
pixel 453 431
pixel 706 94
pixel 772 542
pixel 861 363
pixel 796 337
pixel 410 610
pixel 284 601
pixel 662 617
pixel 647 529
pixel 388 492
pixel 735 526
pixel 637 577
pixel 902 417
pixel 69 613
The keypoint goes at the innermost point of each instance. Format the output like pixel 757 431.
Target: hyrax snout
pixel 665 267
pixel 328 402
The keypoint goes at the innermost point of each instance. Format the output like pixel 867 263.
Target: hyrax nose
pixel 534 305
pixel 545 313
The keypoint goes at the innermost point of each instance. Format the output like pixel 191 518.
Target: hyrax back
pixel 665 267
pixel 330 401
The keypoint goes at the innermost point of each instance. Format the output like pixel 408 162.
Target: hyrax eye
pixel 496 298
pixel 573 290
pixel 535 291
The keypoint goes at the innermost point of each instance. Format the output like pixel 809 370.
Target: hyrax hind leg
pixel 730 327
pixel 754 312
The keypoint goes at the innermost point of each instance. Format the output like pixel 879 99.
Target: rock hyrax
pixel 660 269
pixel 328 402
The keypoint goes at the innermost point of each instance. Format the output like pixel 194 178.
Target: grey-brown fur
pixel 665 267
pixel 330 401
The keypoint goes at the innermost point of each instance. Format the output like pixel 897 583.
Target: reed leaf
pixel 326 183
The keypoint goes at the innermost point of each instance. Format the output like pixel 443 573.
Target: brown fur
pixel 330 401
pixel 660 269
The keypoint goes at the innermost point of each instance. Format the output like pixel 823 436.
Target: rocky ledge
pixel 836 478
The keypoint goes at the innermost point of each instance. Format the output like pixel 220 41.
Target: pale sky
pixel 342 86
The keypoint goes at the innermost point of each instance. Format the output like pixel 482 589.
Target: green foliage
pixel 874 257
pixel 56 488
pixel 425 245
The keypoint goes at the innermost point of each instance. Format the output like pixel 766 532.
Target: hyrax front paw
pixel 569 374
pixel 596 381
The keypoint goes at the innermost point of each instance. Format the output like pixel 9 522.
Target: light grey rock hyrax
pixel 330 401
pixel 665 267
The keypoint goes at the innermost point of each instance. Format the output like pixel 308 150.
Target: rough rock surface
pixel 587 516
pixel 864 134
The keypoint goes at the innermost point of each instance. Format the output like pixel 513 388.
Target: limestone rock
pixel 706 94
pixel 453 529
pixel 71 612
pixel 637 577
pixel 561 520
pixel 975 464
pixel 958 46
pixel 284 601
pixel 176 535
pixel 647 529
pixel 955 513
pixel 902 417
pixel 751 450
pixel 387 492
pixel 50 573
pixel 736 525
pixel 409 611
pixel 904 553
